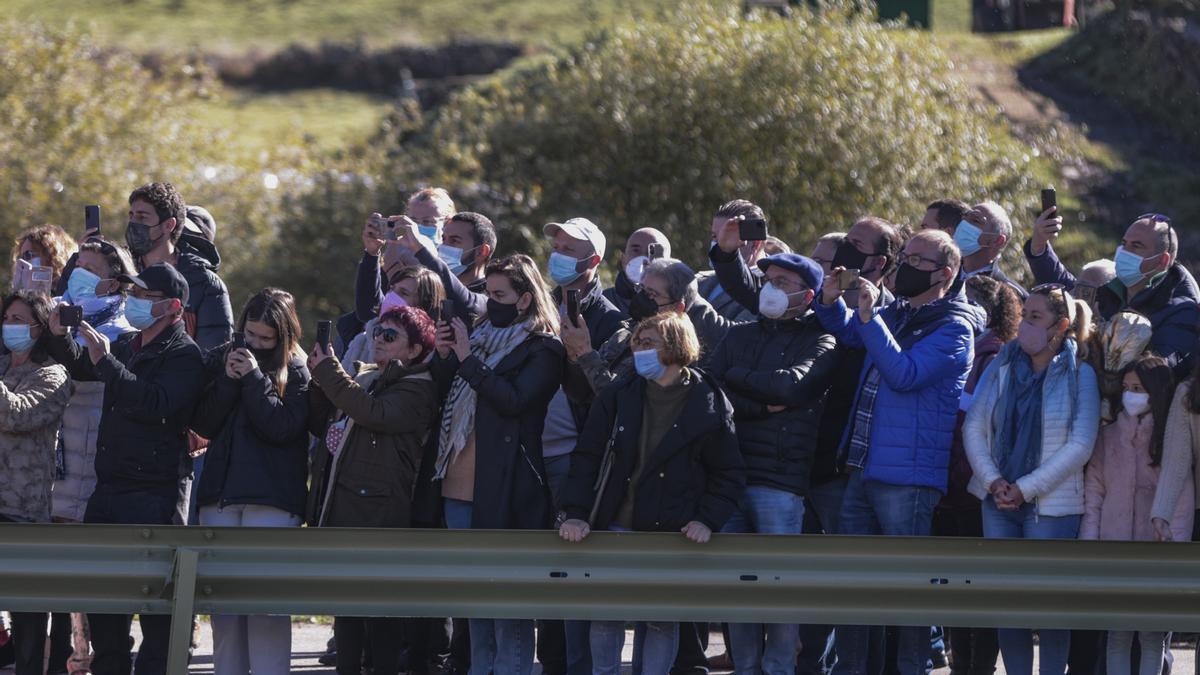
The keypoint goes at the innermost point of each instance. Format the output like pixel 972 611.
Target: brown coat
pixel 391 413
pixel 32 399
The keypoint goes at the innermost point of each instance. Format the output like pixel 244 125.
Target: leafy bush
pixel 820 118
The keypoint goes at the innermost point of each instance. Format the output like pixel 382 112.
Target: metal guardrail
pixel 625 576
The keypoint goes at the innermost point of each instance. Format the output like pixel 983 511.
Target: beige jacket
pixel 32 400
pixel 1181 456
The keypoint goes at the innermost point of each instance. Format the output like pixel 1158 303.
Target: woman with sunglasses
pixel 34 391
pixel 411 286
pixel 1028 435
pixel 255 411
pixel 372 428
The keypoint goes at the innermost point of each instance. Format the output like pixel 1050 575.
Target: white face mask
pixel 635 268
pixel 1135 402
pixel 774 302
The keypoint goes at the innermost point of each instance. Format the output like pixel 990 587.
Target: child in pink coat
pixel 1121 479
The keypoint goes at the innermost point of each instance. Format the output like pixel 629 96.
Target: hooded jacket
pixel 209 316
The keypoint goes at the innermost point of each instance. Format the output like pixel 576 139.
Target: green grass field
pixel 326 118
pixel 237 25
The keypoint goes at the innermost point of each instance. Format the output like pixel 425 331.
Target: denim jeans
pixel 652 655
pixel 871 507
pixel 498 646
pixel 562 645
pixel 1016 644
pixel 765 510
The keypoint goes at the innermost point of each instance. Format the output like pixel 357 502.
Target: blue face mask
pixel 430 232
pixel 17 338
pixel 82 284
pixel 562 268
pixel 452 256
pixel 1129 266
pixel 648 364
pixel 966 236
pixel 139 312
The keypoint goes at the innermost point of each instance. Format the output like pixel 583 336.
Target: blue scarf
pixel 105 314
pixel 1018 445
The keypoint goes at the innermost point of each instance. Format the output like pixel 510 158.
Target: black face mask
pixel 265 357
pixel 849 257
pixel 137 235
pixel 642 307
pixel 501 315
pixel 911 282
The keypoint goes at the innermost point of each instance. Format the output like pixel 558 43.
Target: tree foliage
pixel 820 118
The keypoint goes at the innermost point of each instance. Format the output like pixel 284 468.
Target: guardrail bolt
pixel 207 590
pixel 146 533
pixel 145 589
pixel 209 534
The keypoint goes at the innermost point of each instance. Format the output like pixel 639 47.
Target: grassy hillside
pixel 236 25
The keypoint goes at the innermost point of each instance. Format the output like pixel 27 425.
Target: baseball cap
pixel 581 229
pixel 806 267
pixel 162 278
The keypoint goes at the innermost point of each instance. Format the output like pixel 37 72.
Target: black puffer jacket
pixel 603 319
pixel 788 362
pixel 695 473
pixel 209 315
pixel 259 448
pixel 511 401
pixel 150 393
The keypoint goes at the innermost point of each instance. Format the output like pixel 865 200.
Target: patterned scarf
pixel 490 345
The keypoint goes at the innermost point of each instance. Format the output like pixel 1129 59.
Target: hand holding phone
pixel 752 229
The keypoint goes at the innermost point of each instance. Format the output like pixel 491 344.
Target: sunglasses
pixel 1047 289
pixel 389 335
pixel 1155 218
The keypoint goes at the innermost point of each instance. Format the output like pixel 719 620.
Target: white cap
pixel 581 229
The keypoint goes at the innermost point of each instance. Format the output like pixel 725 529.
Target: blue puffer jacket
pixel 923 356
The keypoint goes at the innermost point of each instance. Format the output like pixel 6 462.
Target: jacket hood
pixel 198 251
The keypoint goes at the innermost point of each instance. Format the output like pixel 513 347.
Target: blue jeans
pixel 652 655
pixel 1016 644
pixel 765 510
pixel 570 637
pixel 498 646
pixel 871 507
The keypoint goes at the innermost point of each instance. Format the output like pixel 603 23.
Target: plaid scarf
pixel 860 440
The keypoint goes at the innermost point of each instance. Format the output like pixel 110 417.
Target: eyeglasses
pixel 389 335
pixel 1047 289
pixel 915 260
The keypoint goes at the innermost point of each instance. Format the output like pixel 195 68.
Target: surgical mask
pixel 391 301
pixel 1129 266
pixel 452 256
pixel 17 337
pixel 430 232
pixel 641 306
pixel 1134 402
pixel 137 235
pixel 139 312
pixel 635 268
pixel 1033 339
pixel 773 301
pixel 911 282
pixel 562 268
pixel 966 236
pixel 82 284
pixel 648 365
pixel 501 315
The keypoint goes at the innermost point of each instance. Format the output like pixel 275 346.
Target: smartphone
pixel 447 311
pixel 1049 199
pixel 573 306
pixel 752 229
pixel 323 330
pixel 848 280
pixel 91 219
pixel 392 234
pixel 70 316
pixel 654 251
pixel 239 340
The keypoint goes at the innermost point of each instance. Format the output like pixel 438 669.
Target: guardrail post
pixel 183 601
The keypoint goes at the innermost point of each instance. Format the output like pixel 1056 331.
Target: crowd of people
pixel 893 382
